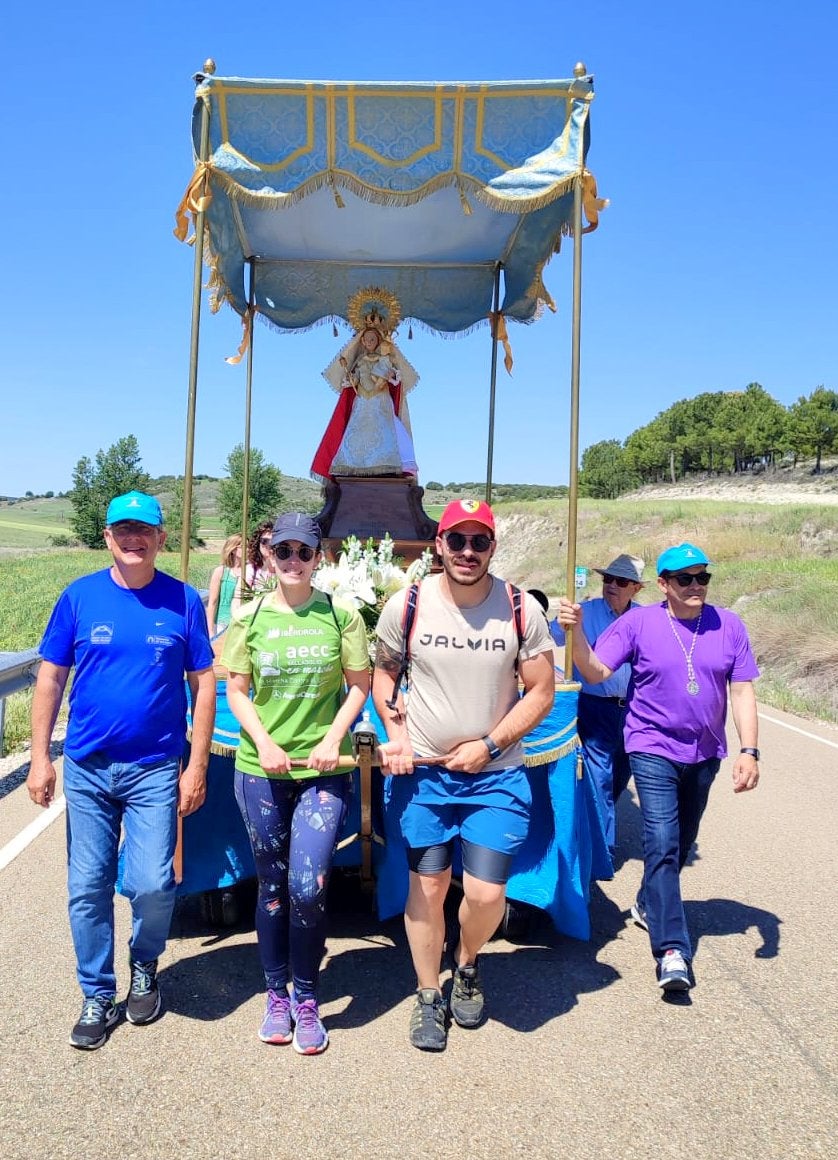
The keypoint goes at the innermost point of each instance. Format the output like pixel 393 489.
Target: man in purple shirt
pixel 684 655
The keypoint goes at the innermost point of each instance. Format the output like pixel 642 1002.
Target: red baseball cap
pixel 463 511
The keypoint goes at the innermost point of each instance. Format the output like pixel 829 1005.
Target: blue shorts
pixel 490 809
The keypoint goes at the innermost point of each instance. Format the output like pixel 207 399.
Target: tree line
pixel 119 469
pixel 715 432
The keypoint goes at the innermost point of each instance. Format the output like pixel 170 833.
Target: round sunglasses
pixel 456 541
pixel 304 553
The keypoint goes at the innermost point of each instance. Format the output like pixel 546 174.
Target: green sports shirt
pixel 295 661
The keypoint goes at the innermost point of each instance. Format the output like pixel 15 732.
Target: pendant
pixel 692 687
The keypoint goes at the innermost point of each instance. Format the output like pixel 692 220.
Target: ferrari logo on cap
pixel 469 505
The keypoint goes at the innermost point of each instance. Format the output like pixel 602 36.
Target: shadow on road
pixel 723 916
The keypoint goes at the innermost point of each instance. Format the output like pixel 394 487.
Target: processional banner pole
pixel 573 479
pixel 248 402
pixel 186 526
pixel 493 383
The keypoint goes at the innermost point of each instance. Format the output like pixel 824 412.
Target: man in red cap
pixel 454 748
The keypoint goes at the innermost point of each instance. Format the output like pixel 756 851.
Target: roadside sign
pixel 581 578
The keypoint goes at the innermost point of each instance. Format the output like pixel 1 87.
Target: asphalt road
pixel 581 1057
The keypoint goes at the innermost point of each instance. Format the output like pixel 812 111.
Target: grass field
pixel 776 566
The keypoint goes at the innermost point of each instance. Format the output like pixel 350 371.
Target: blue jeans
pixel 601 721
pixel 103 797
pixel 673 796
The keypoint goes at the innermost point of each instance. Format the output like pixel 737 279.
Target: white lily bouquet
pixel 366 576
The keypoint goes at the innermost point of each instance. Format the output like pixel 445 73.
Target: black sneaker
pixel 144 997
pixel 467 1002
pixel 428 1030
pixel 98 1015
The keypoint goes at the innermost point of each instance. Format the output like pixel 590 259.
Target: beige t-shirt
pixel 462 665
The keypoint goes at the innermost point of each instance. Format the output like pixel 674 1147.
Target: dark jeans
pixel 293 828
pixel 600 723
pixel 673 796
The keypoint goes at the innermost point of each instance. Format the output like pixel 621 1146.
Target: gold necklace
pixel 692 683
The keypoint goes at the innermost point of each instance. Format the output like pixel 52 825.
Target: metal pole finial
pixel 209 67
pixel 579 70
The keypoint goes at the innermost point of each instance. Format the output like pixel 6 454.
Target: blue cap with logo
pixel 296 526
pixel 134 505
pixel 681 556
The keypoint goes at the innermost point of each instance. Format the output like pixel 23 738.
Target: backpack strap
pixel 519 616
pixel 411 603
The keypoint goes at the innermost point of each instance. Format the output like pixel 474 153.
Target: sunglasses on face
pixel 685 579
pixel 265 541
pixel 620 581
pixel 456 541
pixel 285 552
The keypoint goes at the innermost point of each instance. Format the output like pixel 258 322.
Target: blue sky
pixel 713 133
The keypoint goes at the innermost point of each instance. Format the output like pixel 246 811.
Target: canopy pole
pixel 573 488
pixel 186 526
pixel 493 383
pixel 248 404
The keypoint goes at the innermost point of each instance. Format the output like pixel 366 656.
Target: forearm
pixel 202 686
pixel 245 713
pixel 743 703
pixel 528 710
pixel 393 720
pixel 355 700
pixel 46 702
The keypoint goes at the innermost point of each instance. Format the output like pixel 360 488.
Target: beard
pixel 469 579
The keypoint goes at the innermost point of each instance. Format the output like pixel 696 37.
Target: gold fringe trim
pixel 556 754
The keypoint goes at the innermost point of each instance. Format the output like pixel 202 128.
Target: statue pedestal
pixel 372 505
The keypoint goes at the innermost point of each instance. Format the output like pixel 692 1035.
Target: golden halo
pixel 376 307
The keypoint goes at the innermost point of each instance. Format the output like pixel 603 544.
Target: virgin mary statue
pixel 369 431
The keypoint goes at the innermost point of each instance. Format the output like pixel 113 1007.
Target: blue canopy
pixel 421 189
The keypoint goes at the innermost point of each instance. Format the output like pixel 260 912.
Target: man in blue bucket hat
pixel 130 632
pixel 686 658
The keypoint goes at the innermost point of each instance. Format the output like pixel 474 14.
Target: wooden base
pixel 371 506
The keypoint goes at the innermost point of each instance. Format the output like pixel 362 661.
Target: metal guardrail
pixel 17 672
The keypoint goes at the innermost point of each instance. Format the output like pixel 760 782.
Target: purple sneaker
pixel 310 1036
pixel 276 1026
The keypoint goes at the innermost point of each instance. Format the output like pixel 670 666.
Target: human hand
pixel 272 758
pixel 191 791
pixel 569 614
pixel 745 773
pixel 324 756
pixel 41 782
pixel 396 757
pixel 467 757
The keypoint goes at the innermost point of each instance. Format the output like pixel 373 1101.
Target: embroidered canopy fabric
pixel 419 188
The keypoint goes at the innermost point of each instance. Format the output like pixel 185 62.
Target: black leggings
pixel 478 861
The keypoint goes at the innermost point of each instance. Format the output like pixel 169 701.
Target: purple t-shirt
pixel 662 718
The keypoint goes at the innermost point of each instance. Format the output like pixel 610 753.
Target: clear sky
pixel 714 134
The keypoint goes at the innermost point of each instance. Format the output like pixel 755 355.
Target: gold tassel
pixel 592 204
pixel 463 199
pixel 498 324
pixel 247 326
pixel 196 199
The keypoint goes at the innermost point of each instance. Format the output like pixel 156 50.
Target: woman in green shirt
pixel 307 664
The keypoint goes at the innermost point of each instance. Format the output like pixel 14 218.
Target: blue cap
pixel 681 556
pixel 296 526
pixel 134 505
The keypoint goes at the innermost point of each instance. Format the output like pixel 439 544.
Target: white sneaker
pixel 674 973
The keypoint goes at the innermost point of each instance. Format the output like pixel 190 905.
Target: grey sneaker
pixel 144 996
pixel 674 972
pixel 428 1022
pixel 639 916
pixel 98 1015
pixel 467 1003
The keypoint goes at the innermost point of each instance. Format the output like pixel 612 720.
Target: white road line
pixel 794 729
pixel 17 845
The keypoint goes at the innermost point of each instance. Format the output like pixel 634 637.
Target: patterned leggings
pixel 293 828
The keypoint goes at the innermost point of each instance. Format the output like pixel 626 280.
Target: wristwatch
pixel 753 752
pixel 494 750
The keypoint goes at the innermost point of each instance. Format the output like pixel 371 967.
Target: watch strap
pixel 494 750
pixel 749 749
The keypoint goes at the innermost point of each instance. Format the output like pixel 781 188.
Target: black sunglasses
pixel 620 581
pixel 685 579
pixel 265 540
pixel 285 552
pixel 456 541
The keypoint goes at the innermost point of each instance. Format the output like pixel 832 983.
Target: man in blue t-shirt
pixel 602 707
pixel 131 633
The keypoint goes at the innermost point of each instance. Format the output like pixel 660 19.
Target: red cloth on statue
pixel 325 454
